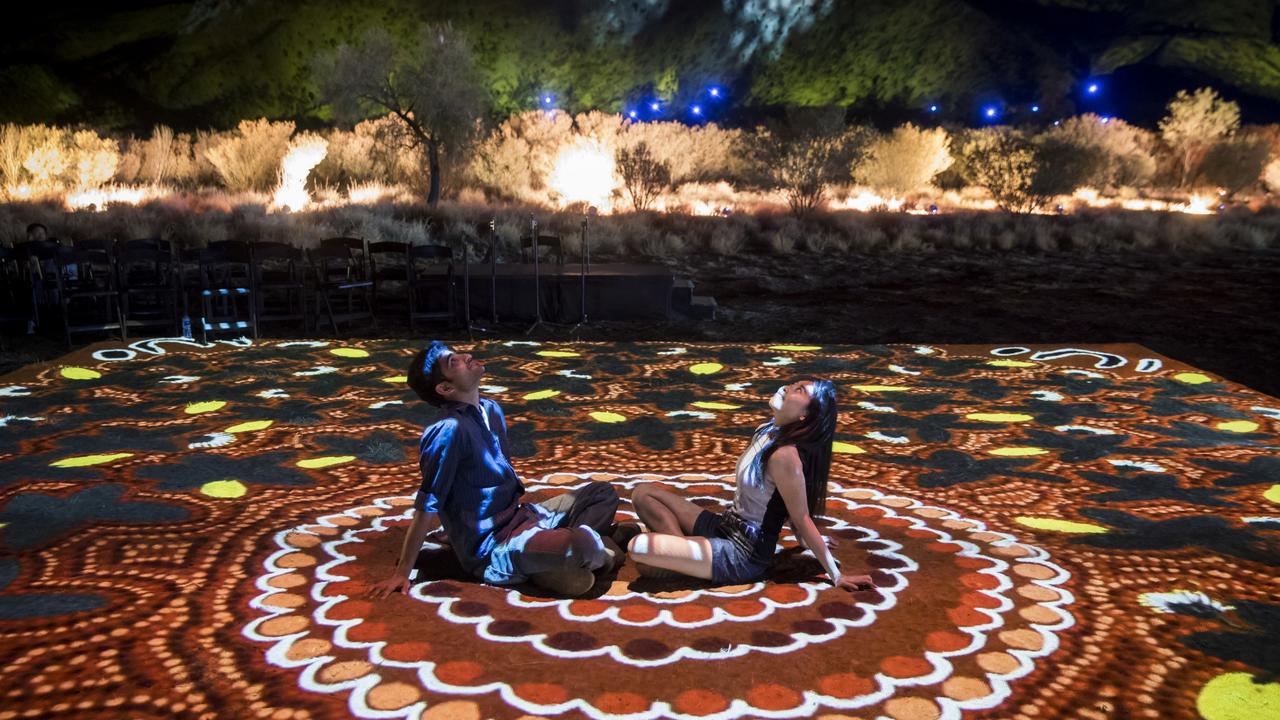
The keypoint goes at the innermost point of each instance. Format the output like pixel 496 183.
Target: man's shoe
pixel 615 553
pixel 569 583
pixel 623 532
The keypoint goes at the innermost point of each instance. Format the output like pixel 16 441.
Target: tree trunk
pixel 433 171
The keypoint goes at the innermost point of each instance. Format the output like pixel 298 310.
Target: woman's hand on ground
pixel 385 588
pixel 851 583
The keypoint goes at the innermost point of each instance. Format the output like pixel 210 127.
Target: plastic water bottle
pixel 186 326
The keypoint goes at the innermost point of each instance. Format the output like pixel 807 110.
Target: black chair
pixel 149 276
pixel 389 269
pixel 88 289
pixel 15 295
pixel 340 267
pixel 37 260
pixel 426 280
pixel 226 289
pixel 279 281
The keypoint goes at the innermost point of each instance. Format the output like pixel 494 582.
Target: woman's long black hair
pixel 812 438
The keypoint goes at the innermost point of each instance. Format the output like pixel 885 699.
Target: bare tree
pixel 432 87
pixel 644 175
pixel 807 154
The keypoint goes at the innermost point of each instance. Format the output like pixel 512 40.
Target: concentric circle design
pixel 960 613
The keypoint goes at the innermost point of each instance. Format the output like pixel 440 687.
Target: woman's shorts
pixel 730 563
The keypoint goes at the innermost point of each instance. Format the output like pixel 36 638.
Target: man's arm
pixel 423 523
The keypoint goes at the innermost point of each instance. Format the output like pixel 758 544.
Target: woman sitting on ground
pixel 782 475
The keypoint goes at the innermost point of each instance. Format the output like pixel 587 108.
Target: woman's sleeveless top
pixel 758 509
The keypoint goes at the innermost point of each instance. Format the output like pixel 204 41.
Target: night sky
pixel 127 65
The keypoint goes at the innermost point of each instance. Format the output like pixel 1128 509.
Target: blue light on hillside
pixel 546 99
pixel 933 108
pixel 714 92
pixel 696 109
pixel 1093 88
pixel 1035 108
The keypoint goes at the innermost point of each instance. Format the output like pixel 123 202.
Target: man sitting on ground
pixel 469 486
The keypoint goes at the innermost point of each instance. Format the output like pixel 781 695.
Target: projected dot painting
pixel 188 530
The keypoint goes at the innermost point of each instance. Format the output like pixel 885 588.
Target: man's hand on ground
pixel 439 537
pixel 385 588
pixel 855 582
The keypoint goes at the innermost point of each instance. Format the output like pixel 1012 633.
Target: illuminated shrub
pixel 1235 164
pixel 1003 161
pixel 248 158
pixel 164 158
pixel 1195 123
pixel 39 160
pixel 906 160
pixel 1119 154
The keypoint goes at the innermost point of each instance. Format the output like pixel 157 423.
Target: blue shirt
pixel 467 479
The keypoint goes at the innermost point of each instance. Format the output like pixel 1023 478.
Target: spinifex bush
pixel 1003 161
pixel 164 158
pixel 904 161
pixel 1120 154
pixel 249 157
pixel 39 160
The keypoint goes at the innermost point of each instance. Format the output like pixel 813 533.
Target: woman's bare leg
pixel 663 511
pixel 685 555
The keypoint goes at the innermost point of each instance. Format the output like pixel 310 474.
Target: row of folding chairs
pixel 227 287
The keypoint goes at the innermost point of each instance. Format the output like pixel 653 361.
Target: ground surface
pixel 186 532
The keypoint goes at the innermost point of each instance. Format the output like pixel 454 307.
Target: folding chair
pixel 279 283
pixel 424 261
pixel 149 283
pixel 95 285
pixel 226 281
pixel 340 267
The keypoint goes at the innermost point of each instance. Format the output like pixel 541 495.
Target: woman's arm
pixel 788 475
pixel 423 523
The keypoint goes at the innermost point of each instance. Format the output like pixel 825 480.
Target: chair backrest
pixel 161 245
pixel 350 243
pixel 551 242
pixel 224 262
pixel 104 244
pixel 276 251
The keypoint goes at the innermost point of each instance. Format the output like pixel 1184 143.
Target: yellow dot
pixel 557 353
pixel 608 417
pixel 1056 525
pixel 846 448
pixel 1018 451
pixel 251 426
pixel 998 417
pixel 206 406
pixel 1011 363
pixel 86 460
pixel 1191 378
pixel 324 462
pixel 350 352
pixel 79 373
pixel 542 394
pixel 795 348
pixel 715 406
pixel 223 488
pixel 396 379
pixel 1238 426
pixel 1235 696
pixel 880 388
pixel 709 368
pixel 1272 494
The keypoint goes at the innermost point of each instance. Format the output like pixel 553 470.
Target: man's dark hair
pixel 425 372
pixel 31 228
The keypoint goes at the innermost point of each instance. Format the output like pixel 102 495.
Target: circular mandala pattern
pixel 960 612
